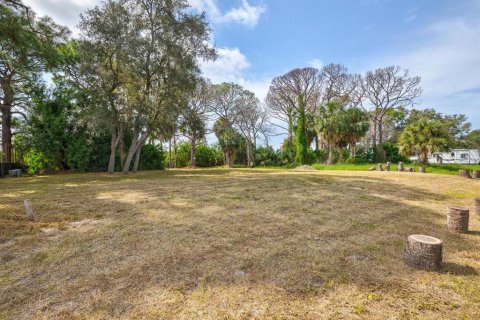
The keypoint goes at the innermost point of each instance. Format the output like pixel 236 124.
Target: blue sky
pixel 260 39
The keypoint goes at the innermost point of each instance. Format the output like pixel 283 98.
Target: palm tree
pixel 329 125
pixel 355 126
pixel 423 138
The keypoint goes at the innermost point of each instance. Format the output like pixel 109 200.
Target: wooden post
pixel 476 206
pixel 387 166
pixel 421 169
pixel 476 174
pixel 457 219
pixel 424 252
pixel 379 167
pixel 400 166
pixel 464 173
pixel 29 209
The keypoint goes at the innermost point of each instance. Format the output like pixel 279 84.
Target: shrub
pixel 266 156
pixel 152 158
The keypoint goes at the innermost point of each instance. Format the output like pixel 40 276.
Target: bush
pixel 266 156
pixel 208 156
pixel 37 161
pixel 392 153
pixel 152 158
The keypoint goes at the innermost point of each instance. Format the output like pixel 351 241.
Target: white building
pixel 460 156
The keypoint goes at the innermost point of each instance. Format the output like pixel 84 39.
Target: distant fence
pixel 4 167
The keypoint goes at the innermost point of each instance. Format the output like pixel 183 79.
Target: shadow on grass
pixel 458 269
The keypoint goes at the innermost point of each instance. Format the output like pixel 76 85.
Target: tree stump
pixel 476 174
pixel 464 173
pixel 29 209
pixel 371 169
pixel 400 166
pixel 424 252
pixel 409 169
pixel 421 169
pixel 379 167
pixel 476 206
pixel 457 219
pixel 387 166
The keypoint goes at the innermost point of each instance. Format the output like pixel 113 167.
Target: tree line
pixel 131 81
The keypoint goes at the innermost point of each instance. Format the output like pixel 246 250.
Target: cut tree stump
pixel 421 169
pixel 457 219
pixel 400 166
pixel 424 252
pixel 476 206
pixel 409 169
pixel 476 174
pixel 464 173
pixel 371 169
pixel 379 167
pixel 387 166
pixel 28 208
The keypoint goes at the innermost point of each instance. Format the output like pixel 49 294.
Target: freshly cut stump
pixel 476 206
pixel 421 169
pixel 379 167
pixel 424 252
pixel 464 173
pixel 476 174
pixel 457 219
pixel 387 166
pixel 400 166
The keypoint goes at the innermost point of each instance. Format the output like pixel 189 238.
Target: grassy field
pixel 234 244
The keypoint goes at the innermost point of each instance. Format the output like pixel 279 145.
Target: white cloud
pixel 232 66
pixel 316 63
pixel 245 14
pixel 447 59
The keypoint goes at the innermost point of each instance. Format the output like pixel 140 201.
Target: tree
pixel 282 97
pixel 355 125
pixel 423 138
pixel 383 90
pixel 103 66
pixel 472 140
pixel 330 124
pixel 301 135
pixel 28 47
pixel 252 121
pixel 193 117
pixel 228 138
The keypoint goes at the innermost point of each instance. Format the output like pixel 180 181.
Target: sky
pixel 257 40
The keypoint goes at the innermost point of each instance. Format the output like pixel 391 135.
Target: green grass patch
pixel 431 168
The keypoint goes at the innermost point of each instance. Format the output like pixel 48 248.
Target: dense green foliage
pixel 301 145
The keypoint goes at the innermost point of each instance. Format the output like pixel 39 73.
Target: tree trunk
pixel 174 151
pixel 193 151
pixel 290 126
pixel 136 142
pixel 380 131
pixel 170 153
pixel 113 149
pixel 316 142
pixel 249 153
pixel 374 133
pixel 330 153
pixel 137 157
pixel 6 110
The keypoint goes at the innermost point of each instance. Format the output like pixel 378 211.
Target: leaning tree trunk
pixel 6 110
pixel 113 149
pixel 136 142
pixel 137 157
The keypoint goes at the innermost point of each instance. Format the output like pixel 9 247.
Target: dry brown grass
pixel 234 244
